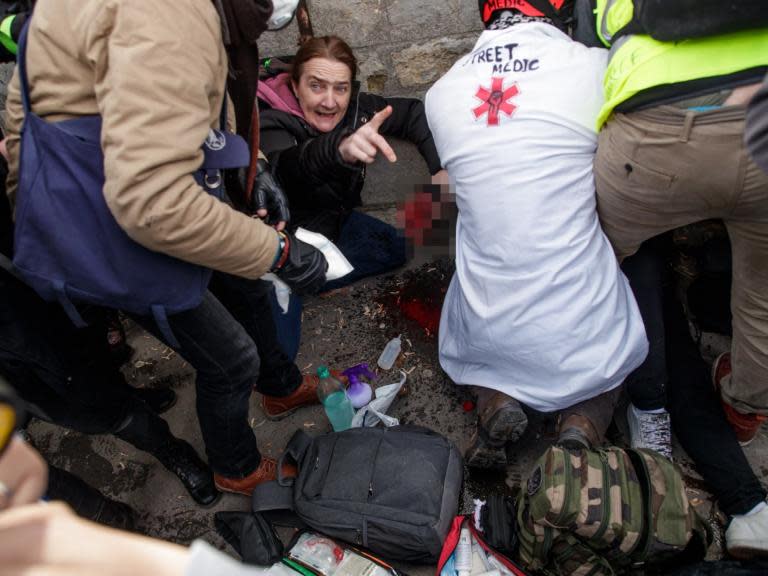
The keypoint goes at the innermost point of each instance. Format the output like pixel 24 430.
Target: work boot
pixel 501 420
pixel 746 426
pixel 276 407
pixel 150 433
pixel 181 459
pixel 88 502
pixel 651 430
pixel 266 472
pixel 747 535
pixel 577 433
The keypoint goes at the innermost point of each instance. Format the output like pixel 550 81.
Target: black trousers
pixel 675 375
pixel 65 374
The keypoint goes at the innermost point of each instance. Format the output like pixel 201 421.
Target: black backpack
pixel 674 20
pixel 392 490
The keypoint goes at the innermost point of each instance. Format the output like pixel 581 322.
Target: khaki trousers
pixel 666 167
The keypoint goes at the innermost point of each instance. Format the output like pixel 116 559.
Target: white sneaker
pixel 650 430
pixel 747 536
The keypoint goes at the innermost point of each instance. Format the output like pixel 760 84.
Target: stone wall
pixel 403 45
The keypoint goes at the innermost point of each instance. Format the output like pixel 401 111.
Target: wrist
pixel 283 247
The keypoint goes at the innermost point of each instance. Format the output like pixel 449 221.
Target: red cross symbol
pixel 495 100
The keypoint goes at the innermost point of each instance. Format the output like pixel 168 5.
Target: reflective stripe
pixel 617 46
pixel 604 32
pixel 5 34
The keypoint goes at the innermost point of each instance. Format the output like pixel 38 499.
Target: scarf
pixel 503 19
pixel 243 21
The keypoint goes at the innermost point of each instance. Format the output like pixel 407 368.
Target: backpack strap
pixel 278 495
pixel 21 62
pixel 161 319
pixel 549 11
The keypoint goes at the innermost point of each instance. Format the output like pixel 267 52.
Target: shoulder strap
pixel 278 495
pixel 549 11
pixel 22 64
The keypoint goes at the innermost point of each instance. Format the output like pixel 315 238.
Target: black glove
pixel 301 266
pixel 268 195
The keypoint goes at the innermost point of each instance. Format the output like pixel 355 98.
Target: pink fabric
pixel 277 92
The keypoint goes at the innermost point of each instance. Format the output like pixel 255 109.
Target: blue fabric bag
pixel 68 246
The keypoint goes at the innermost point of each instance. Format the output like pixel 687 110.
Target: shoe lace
pixel 655 431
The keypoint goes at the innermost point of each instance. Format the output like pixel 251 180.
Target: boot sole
pixel 482 454
pixel 506 426
pixel 280 415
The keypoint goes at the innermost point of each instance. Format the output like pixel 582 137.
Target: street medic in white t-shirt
pixel 538 311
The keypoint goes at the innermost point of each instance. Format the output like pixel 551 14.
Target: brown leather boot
pixel 266 472
pixel 577 432
pixel 277 408
pixel 501 420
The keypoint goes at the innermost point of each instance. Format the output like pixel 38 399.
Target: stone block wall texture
pixel 403 47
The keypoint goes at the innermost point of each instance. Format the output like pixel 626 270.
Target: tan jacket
pixel 155 72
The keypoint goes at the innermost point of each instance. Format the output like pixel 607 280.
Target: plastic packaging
pixel 334 399
pixel 376 410
pixel 319 553
pixel 464 553
pixel 282 291
pixel 359 391
pixel 390 353
pixel 338 265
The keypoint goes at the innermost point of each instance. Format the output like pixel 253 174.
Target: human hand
pixel 441 178
pixel 268 198
pixel 23 475
pixel 50 539
pixel 302 266
pixel 363 144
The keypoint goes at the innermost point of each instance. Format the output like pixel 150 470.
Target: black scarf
pixel 243 21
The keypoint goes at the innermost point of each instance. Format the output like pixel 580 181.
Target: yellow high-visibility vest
pixel 637 62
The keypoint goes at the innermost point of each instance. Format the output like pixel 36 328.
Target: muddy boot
pixel 577 433
pixel 146 431
pixel 88 502
pixel 501 420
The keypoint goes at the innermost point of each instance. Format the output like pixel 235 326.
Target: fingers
pixel 363 146
pixel 23 474
pixel 380 143
pixel 379 118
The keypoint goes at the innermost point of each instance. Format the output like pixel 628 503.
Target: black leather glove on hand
pixel 268 199
pixel 301 266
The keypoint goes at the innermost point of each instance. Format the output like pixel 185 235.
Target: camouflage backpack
pixel 601 512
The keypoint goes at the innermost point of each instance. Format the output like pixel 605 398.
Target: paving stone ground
pixel 341 329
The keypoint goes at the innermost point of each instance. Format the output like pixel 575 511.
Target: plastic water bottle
pixel 464 553
pixel 390 353
pixel 334 399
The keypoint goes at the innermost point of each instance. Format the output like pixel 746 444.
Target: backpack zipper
pixel 606 493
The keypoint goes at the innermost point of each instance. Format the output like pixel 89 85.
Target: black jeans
pixel 64 374
pixel 699 421
pixel 230 341
pixel 646 385
pixel 695 408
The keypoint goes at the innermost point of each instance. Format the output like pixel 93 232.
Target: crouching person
pixel 538 311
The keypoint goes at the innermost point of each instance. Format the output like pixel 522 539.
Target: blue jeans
pixel 371 246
